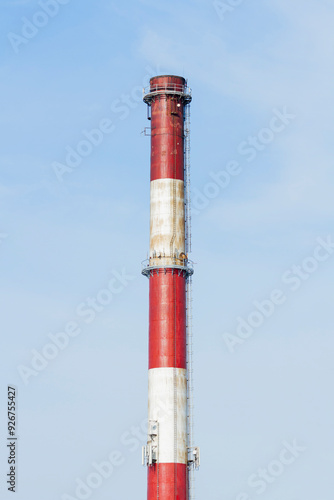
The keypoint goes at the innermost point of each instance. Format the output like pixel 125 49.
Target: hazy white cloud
pixel 292 68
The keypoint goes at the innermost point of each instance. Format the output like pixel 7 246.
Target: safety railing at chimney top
pixel 168 88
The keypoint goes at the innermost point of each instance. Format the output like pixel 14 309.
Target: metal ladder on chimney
pixel 190 388
pixel 187 196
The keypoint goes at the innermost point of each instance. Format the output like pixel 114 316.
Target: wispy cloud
pixel 291 67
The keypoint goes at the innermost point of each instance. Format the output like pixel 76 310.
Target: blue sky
pixel 264 232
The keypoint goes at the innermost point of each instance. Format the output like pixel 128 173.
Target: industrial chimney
pixel 169 454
